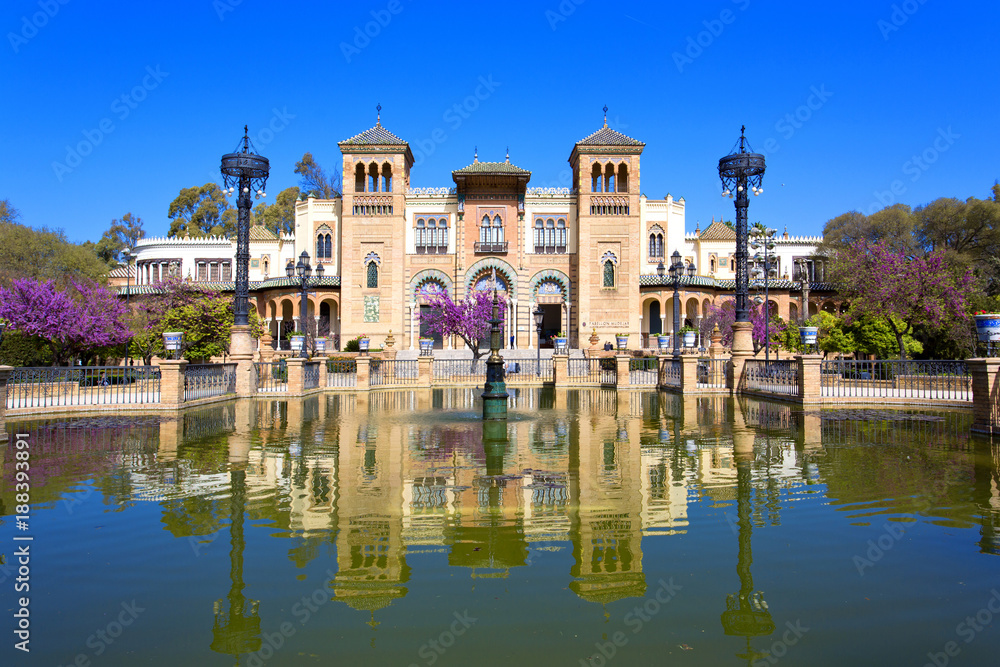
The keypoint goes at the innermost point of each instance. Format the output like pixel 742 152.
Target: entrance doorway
pixel 551 323
pixel 424 332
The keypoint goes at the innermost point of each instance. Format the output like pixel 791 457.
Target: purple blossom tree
pixel 467 319
pixel 724 315
pixel 72 323
pixel 904 291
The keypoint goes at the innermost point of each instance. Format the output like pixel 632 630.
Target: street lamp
pixel 764 267
pixel 676 272
pixel 127 254
pixel 246 171
pixel 739 171
pixel 539 316
pixel 304 271
pixel 803 266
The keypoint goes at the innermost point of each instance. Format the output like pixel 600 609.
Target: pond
pixel 593 527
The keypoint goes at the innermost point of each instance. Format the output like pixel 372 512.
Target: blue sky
pixel 114 107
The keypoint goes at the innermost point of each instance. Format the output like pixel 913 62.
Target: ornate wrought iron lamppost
pixel 127 254
pixel 764 267
pixel 244 171
pixel 539 316
pixel 304 271
pixel 495 391
pixel 740 171
pixel 676 272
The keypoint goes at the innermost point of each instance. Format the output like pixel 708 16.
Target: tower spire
pixel 605 115
pixel 378 111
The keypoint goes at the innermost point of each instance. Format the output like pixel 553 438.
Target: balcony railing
pixel 550 250
pixel 495 247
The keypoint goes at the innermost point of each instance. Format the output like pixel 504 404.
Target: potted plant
pixel 320 345
pixel 987 326
pixel 363 341
pixel 622 340
pixel 663 341
pixel 689 334
pixel 297 338
pixel 809 336
pixel 561 340
pixel 426 346
pixel 172 341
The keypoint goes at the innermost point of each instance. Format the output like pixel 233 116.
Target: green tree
pixel 278 217
pixel 45 254
pixel 8 213
pixel 314 180
pixel 123 233
pixel 832 338
pixel 199 212
pixel 875 336
pixel 895 225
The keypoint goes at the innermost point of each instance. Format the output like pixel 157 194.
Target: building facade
pixel 586 255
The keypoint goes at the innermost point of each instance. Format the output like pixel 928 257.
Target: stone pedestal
pixel 364 372
pixel 622 362
pixel 425 366
pixel 172 381
pixel 716 349
pixel 689 374
pixel 742 350
pixel 985 395
pixel 560 369
pixel 810 380
pixel 296 376
pixel 241 349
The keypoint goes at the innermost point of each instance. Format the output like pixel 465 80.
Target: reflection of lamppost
pixel 304 272
pixel 763 238
pixel 738 170
pixel 127 254
pixel 676 271
pixel 539 316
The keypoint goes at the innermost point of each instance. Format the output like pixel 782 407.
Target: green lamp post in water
pixel 495 389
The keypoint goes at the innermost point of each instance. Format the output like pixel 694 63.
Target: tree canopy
pixel 278 217
pixel 314 181
pixel 123 233
pixel 43 254
pixel 200 212
pixel 466 318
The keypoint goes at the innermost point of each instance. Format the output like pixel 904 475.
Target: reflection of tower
pixel 237 629
pixel 607 537
pixel 371 565
pixel 746 613
pixel 987 497
pixel 494 541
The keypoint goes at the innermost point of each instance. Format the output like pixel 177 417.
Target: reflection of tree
pixel 987 496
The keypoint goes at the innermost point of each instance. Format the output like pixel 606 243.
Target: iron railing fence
pixel 775 377
pixel 395 372
pixel 671 370
pixel 206 380
pixel 529 370
pixel 39 387
pixel 310 373
pixel 272 376
pixel 896 378
pixel 341 373
pixel 643 371
pixel 712 373
pixel 603 371
pixel 460 370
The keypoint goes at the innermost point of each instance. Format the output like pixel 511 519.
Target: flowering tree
pixel 466 319
pixel 71 323
pixel 903 291
pixel 725 315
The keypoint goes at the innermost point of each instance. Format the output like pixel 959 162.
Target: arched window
pixel 420 240
pixel 711 264
pixel 595 178
pixel 373 177
pixel 497 230
pixel 484 230
pixel 609 178
pixel 329 246
pixel 386 177
pixel 265 267
pixel 539 236
pixel 442 227
pixel 622 177
pixel 656 242
pixel 560 236
pixel 609 273
pixel 432 236
pixel 320 246
pixel 372 274
pixel 359 178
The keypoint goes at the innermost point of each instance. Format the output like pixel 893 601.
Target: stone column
pixel 985 395
pixel 4 377
pixel 425 371
pixel 322 373
pixel 241 347
pixel 689 374
pixel 296 376
pixel 172 381
pixel 364 365
pixel 622 361
pixel 810 381
pixel 560 369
